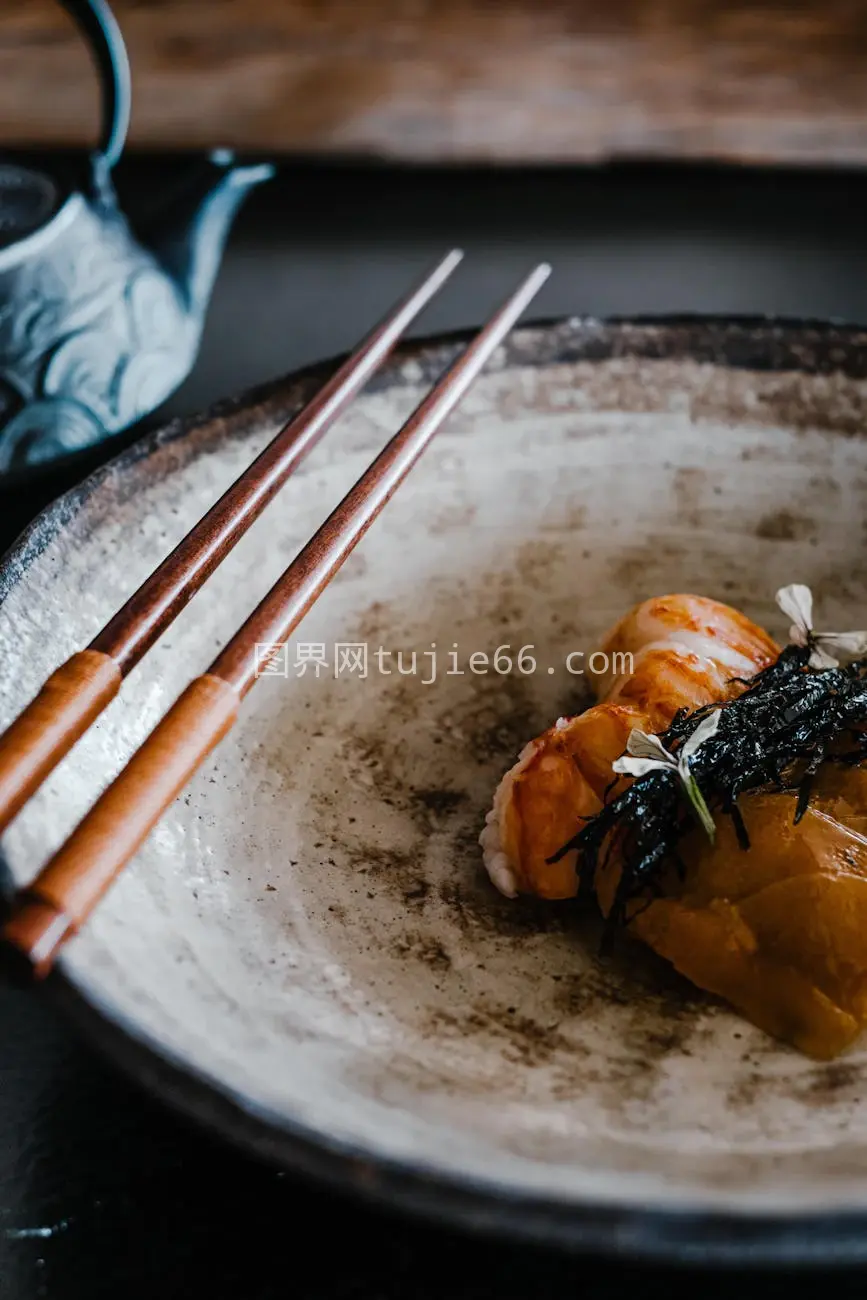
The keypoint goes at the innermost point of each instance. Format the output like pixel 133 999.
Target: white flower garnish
pixel 646 753
pixel 796 602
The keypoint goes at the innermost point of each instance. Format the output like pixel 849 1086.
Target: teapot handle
pixel 100 28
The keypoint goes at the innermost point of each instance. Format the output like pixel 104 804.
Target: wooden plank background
pixel 460 80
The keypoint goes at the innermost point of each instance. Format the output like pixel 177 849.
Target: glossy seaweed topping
pixel 789 720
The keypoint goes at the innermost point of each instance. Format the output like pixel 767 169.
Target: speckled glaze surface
pixel 307 953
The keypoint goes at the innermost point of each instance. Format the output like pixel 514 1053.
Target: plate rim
pixel 720 1236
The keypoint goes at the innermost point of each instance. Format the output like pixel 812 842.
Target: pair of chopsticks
pixel 50 910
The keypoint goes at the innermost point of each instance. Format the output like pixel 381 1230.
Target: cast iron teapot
pixel 96 329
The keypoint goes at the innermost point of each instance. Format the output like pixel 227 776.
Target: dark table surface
pixel 103 1192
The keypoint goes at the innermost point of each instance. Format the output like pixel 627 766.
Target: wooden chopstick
pixel 78 691
pixel 63 895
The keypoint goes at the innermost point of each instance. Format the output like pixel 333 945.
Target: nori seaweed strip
pixel 788 718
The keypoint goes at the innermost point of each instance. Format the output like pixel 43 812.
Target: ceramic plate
pixel 306 955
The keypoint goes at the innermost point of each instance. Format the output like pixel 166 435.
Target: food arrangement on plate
pixel 714 803
pixel 307 951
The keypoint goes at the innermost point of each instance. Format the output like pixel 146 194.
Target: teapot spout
pixel 193 235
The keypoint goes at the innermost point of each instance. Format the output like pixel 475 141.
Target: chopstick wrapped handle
pixel 74 695
pixel 71 884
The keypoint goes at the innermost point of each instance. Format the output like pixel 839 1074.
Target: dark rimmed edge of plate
pixel 627 1231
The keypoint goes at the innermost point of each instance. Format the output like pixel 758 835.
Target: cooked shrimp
pixel 688 644
pixel 686 650
pixel 776 929
pixel 558 779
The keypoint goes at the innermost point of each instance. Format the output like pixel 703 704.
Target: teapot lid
pixel 28 199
